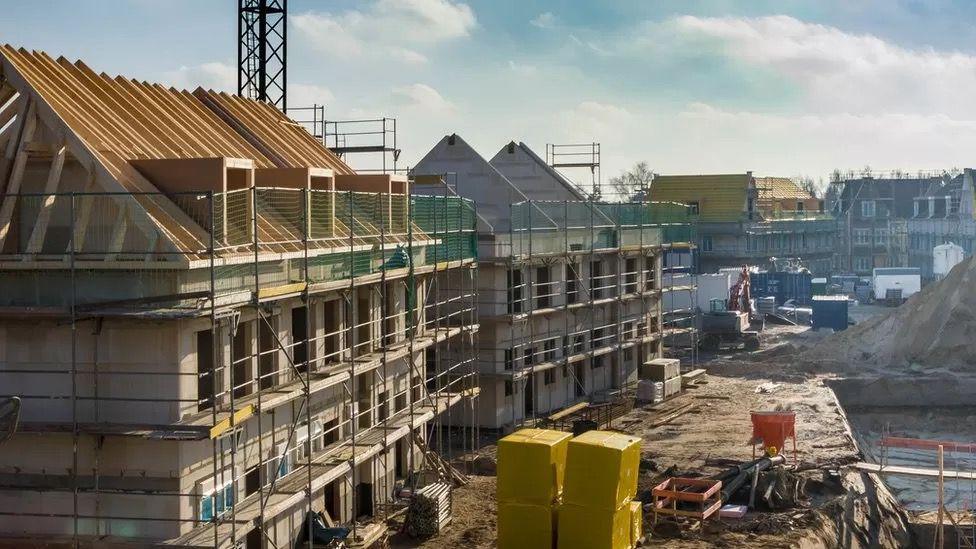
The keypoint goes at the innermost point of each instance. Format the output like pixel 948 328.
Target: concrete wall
pixel 914 391
pixel 475 179
pixel 167 355
pixel 123 349
pixel 531 175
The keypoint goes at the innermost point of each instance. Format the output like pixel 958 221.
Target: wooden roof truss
pixel 69 137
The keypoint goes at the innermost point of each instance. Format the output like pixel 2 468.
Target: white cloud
pixel 591 121
pixel 212 76
pixel 705 138
pixel 396 28
pixel 522 69
pixel 545 20
pixel 840 71
pixel 305 95
pixel 426 20
pixel 408 56
pixel 422 98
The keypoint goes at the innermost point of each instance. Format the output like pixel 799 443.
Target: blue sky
pixel 779 88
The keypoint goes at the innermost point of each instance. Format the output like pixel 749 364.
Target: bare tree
pixel 634 184
pixel 816 188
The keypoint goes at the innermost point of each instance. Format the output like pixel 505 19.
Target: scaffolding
pixel 605 303
pixel 410 259
pixel 578 155
pixel 373 138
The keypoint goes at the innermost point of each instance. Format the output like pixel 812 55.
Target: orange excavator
pixel 739 295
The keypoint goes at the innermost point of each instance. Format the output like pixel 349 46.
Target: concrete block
pixel 645 390
pixel 660 369
pixel 672 387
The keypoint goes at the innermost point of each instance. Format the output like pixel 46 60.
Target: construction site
pixel 216 332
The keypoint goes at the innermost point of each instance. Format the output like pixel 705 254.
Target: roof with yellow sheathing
pixel 721 197
pixel 781 188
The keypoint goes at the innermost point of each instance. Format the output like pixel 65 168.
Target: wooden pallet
pixel 704 495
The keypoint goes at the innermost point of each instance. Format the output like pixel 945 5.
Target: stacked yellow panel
pixel 598 511
pixel 531 465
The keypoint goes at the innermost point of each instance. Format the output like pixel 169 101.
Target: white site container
pixel 906 279
pixel 710 286
pixel 944 258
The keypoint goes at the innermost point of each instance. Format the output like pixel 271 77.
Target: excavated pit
pixel 933 407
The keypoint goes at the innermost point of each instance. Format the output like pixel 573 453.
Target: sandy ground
pixel 473 524
pixel 718 427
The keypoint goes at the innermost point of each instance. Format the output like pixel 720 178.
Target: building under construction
pixel 215 324
pixel 744 219
pixel 570 294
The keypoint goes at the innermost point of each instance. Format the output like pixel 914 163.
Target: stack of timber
pixel 430 510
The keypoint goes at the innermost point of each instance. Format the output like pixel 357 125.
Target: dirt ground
pixel 717 426
pixel 473 524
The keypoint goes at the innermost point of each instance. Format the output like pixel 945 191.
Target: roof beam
pixel 12 187
pixel 61 132
pixel 36 240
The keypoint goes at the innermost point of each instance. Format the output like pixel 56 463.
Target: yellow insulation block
pixel 587 528
pixel 523 526
pixel 636 522
pixel 601 470
pixel 531 463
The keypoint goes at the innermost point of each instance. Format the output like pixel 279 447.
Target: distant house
pixel 942 213
pixel 744 219
pixel 873 221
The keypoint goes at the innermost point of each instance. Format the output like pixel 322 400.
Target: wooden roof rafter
pixel 57 109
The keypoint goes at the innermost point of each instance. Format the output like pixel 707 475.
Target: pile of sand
pixel 936 327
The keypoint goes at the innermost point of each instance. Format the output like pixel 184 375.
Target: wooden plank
pixel 674 414
pixel 10 149
pixel 10 107
pixel 118 232
pixel 16 175
pixel 83 205
pixel 690 377
pixel 114 101
pixel 913 471
pixel 219 110
pixel 284 289
pixel 928 444
pixel 36 240
pixel 568 411
pixel 224 425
